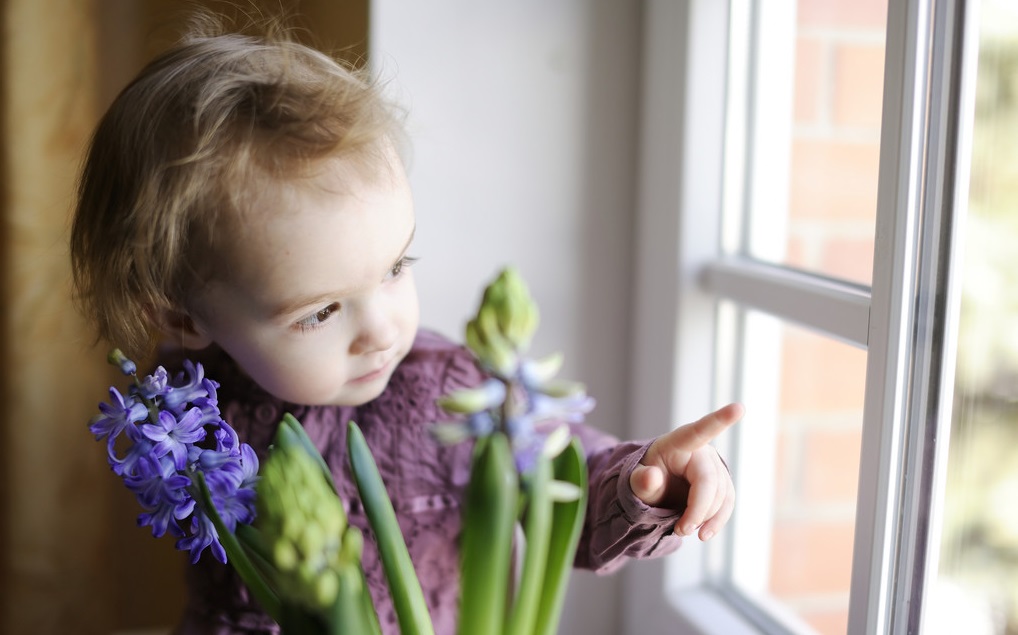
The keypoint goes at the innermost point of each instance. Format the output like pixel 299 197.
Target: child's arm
pixel 682 471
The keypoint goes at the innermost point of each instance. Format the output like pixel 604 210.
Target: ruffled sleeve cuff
pixel 619 525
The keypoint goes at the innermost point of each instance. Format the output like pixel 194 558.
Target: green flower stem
pixel 251 541
pixel 296 620
pixel 538 533
pixel 368 606
pixel 354 611
pixel 407 596
pixel 489 518
pixel 236 555
pixel 567 524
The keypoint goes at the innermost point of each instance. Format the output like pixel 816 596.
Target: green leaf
pixel 407 596
pixel 292 432
pixel 236 555
pixel 489 517
pixel 567 525
pixel 537 529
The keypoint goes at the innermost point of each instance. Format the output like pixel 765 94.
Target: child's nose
pixel 378 332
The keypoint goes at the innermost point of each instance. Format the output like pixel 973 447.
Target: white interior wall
pixel 522 121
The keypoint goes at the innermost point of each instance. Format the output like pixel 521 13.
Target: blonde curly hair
pixel 190 142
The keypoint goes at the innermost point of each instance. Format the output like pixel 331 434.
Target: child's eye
pixel 316 319
pixel 401 264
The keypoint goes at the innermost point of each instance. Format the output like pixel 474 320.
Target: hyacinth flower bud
pixel 302 523
pixel 504 324
pixel 309 552
pixel 117 358
pixel 470 400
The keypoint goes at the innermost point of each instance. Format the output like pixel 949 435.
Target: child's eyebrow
pixel 294 305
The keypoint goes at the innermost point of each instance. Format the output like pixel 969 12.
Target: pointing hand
pixel 681 469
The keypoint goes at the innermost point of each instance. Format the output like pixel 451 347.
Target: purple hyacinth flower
pixel 173 436
pixel 153 385
pixel 141 447
pixel 162 492
pixel 120 414
pixel 116 415
pixel 164 419
pixel 203 534
pixel 226 438
pixel 188 387
pixel 570 409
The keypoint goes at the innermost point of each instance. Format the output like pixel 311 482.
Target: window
pixel 804 185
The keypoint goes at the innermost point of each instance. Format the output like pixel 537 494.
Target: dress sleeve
pixel 619 526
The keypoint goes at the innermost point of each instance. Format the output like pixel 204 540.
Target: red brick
pixel 827 621
pixel 849 258
pixel 786 463
pixel 843 13
pixel 795 253
pixel 834 179
pixel 820 374
pixel 858 85
pixel 810 57
pixel 811 558
pixel 830 460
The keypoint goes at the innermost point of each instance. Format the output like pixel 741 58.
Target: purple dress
pixel 425 481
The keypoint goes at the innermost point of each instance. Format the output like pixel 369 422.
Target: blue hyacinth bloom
pixel 173 435
pixel 114 417
pixel 203 534
pixel 170 429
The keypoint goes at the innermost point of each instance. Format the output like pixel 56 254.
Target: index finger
pixel 694 436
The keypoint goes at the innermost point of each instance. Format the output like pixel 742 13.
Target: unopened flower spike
pixel 304 526
pixel 521 392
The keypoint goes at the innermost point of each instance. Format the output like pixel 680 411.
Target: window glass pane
pixel 977 587
pixel 797 472
pixel 813 138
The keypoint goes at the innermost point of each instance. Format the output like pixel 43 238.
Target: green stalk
pixel 251 541
pixel 567 525
pixel 236 555
pixel 489 518
pixel 537 529
pixel 297 621
pixel 368 606
pixel 352 613
pixel 407 596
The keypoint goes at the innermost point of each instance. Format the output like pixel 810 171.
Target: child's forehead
pixel 317 234
pixel 342 185
pixel 346 175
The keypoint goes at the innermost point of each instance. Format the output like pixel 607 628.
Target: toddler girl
pixel 243 200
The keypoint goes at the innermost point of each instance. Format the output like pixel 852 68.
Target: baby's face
pixel 318 304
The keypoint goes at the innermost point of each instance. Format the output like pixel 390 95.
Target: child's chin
pixel 361 394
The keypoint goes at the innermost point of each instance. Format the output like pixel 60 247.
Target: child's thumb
pixel 648 483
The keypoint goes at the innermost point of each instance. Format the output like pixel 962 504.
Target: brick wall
pixel 836 136
pixel 835 150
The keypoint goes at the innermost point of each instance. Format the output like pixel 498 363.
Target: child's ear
pixel 180 328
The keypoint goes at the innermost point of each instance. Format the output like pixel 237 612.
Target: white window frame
pixel 906 320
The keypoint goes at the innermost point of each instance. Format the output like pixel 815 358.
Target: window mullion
pixel 835 308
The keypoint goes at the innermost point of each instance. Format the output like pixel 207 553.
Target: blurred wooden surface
pixel 73 560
